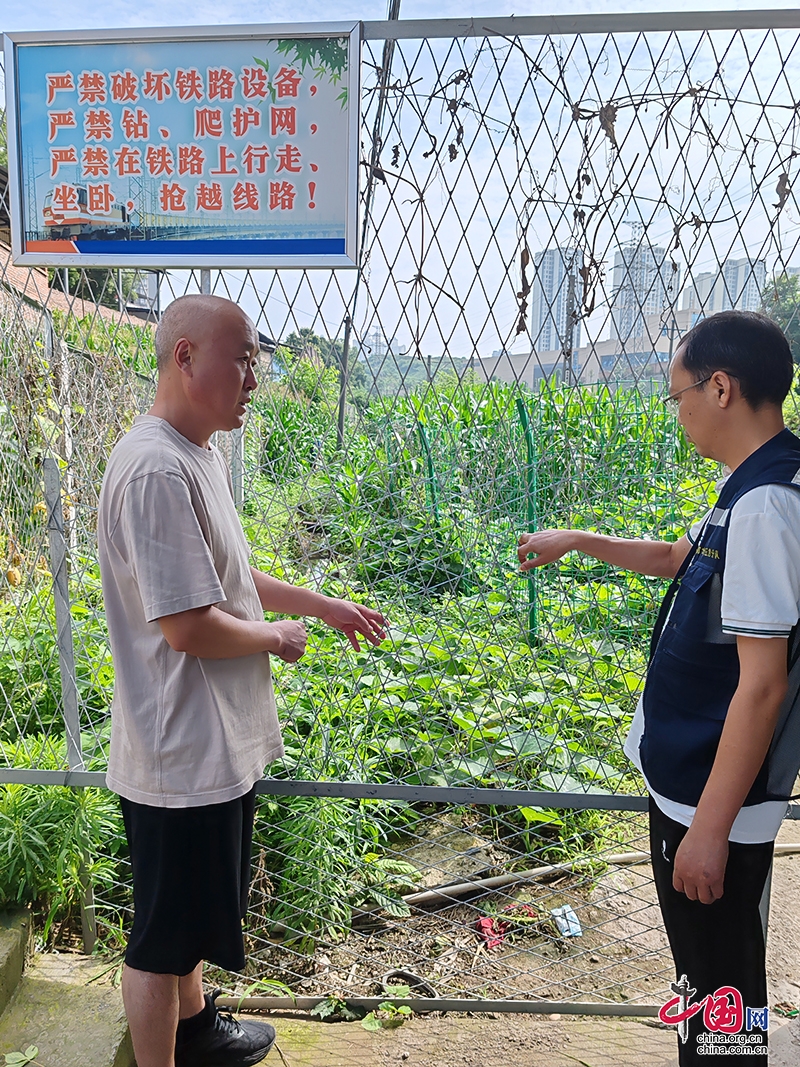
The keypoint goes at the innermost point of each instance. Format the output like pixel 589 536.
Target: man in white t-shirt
pixel 717 731
pixel 193 715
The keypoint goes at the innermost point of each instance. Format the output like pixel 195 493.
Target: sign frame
pixel 191 259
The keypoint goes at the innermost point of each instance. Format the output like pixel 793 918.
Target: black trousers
pixel 719 944
pixel 191 880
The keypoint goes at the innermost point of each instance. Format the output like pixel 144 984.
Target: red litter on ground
pixel 492 931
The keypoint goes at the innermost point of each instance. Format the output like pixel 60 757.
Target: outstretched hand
pixel 353 619
pixel 546 545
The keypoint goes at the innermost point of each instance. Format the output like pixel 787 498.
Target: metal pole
pixel 433 493
pixel 205 282
pixel 88 914
pixel 377 139
pixel 566 349
pixel 237 466
pixel 66 659
pixel 343 371
pixel 66 649
pixel 386 68
pixel 530 499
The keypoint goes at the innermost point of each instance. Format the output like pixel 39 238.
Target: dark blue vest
pixel 694 666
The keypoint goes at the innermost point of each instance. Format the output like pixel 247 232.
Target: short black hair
pixel 750 347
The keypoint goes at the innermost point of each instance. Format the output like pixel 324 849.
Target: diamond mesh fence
pixel 543 217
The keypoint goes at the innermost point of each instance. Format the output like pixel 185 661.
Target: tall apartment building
pixel 644 283
pixel 550 297
pixel 737 284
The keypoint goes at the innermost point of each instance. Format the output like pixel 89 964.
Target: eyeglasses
pixel 672 401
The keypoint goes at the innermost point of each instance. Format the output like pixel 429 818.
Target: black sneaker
pixel 224 1041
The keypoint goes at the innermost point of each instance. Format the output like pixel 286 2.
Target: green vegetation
pixel 781 301
pixel 487 678
pixel 95 284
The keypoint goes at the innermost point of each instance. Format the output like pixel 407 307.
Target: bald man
pixel 193 716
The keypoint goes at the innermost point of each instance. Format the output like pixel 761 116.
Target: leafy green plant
pixel 22 1059
pixel 54 840
pixel 335 1010
pixel 379 881
pixel 389 1015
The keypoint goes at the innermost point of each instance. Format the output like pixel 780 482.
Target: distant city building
pixel 645 364
pixel 377 346
pixel 550 297
pixel 645 283
pixel 736 285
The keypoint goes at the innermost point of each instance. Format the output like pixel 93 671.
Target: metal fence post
pixel 233 448
pixel 66 659
pixel 237 466
pixel 531 476
pixel 66 649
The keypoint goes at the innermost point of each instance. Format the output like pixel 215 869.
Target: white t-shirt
pixel 760 598
pixel 184 731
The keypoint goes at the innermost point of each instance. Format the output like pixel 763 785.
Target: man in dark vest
pixel 717 731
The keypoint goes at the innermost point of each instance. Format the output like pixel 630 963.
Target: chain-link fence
pixel 545 210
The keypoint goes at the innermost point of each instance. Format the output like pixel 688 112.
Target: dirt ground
pixel 624 957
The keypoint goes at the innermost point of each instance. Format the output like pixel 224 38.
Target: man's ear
pixel 182 355
pixel 723 386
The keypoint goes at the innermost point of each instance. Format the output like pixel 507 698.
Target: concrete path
pixel 507 1041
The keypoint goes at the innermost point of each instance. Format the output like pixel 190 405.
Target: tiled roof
pixel 31 283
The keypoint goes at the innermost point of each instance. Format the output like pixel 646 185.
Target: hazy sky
pixel 54 14
pixel 292 299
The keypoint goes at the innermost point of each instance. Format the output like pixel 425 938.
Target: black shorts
pixel 191 881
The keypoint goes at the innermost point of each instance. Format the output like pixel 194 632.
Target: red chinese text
pixel 287 82
pixel 156 85
pixel 128 161
pixel 283 120
pixel 255 83
pixel 97 125
pixel 159 160
pixel 135 124
pixel 209 197
pixel 59 83
pixel 95 161
pixel 189 84
pixel 288 157
pixel 245 196
pixel 226 156
pixel 173 197
pixel 208 122
pixel 281 195
pixel 60 120
pixel 65 199
pixel 59 156
pixel 254 159
pixel 221 83
pixel 724 1011
pixel 242 118
pixel 99 198
pixel 191 159
pixel 124 87
pixel 91 87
